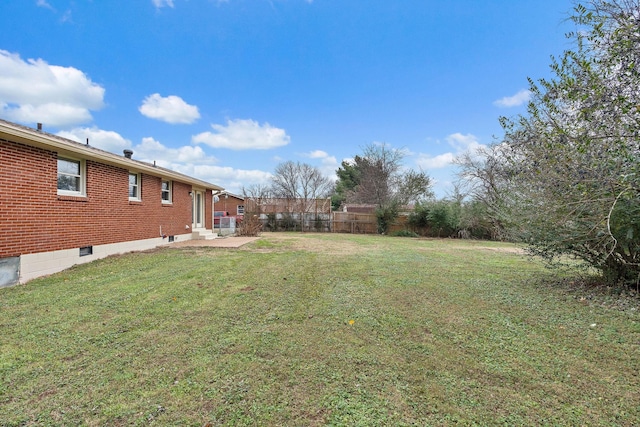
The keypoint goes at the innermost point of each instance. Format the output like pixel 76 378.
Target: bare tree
pixel 295 180
pixel 300 183
pixel 255 195
pixel 484 177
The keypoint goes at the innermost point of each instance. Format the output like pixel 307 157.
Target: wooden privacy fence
pixel 355 223
pixel 282 214
pixel 362 223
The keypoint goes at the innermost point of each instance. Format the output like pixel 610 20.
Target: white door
pixel 198 209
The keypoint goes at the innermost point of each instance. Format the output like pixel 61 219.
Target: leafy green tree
pixel 444 219
pixel 438 218
pixel 419 219
pixel 385 216
pixel 348 179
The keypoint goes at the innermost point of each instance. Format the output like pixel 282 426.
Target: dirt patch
pixel 324 245
pixel 512 250
pixel 221 242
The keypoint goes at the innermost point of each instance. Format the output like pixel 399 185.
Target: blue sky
pixel 225 90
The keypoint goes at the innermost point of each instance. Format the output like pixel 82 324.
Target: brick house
pixel 64 203
pixel 230 203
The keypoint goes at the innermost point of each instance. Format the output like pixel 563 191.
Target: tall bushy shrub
pixel 419 219
pixel 444 219
pixel 436 218
pixel 573 160
pixel 385 216
pixel 476 222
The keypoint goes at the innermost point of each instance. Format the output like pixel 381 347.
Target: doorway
pixel 198 209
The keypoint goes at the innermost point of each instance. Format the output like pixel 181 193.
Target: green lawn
pixel 311 329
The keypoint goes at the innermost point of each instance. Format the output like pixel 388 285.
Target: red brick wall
pixel 229 204
pixel 34 218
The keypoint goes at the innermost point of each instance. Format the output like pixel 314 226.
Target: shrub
pixel 385 216
pixel 250 226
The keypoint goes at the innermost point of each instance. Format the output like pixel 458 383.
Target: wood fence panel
pixel 355 223
pixel 399 224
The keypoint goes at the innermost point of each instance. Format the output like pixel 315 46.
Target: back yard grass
pixel 317 329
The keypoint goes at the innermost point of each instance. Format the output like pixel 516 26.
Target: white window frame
pixel 138 195
pixel 169 191
pixel 240 210
pixel 82 191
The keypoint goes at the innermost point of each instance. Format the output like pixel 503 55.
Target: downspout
pixel 193 219
pixel 214 196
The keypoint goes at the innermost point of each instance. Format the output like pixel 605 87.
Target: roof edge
pixel 40 139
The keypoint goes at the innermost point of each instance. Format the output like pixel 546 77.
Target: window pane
pixel 70 177
pixel 68 167
pixel 134 181
pixel 166 191
pixel 68 183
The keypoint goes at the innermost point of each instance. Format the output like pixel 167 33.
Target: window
pixel 240 209
pixel 134 186
pixel 71 177
pixel 86 250
pixel 166 191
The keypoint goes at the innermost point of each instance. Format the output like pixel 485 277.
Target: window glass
pixel 69 176
pixel 240 209
pixel 166 191
pixel 71 167
pixel 134 186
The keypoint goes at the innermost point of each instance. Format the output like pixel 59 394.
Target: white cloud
pixel 440 161
pixel 44 3
pixel 151 150
pixel 227 174
pixel 317 154
pixel 460 144
pixel 227 177
pixel 162 3
pixel 98 138
pixel 171 109
pixel 522 97
pixel 34 91
pixel 328 164
pixel 463 143
pixel 66 17
pixel 51 114
pixel 243 135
